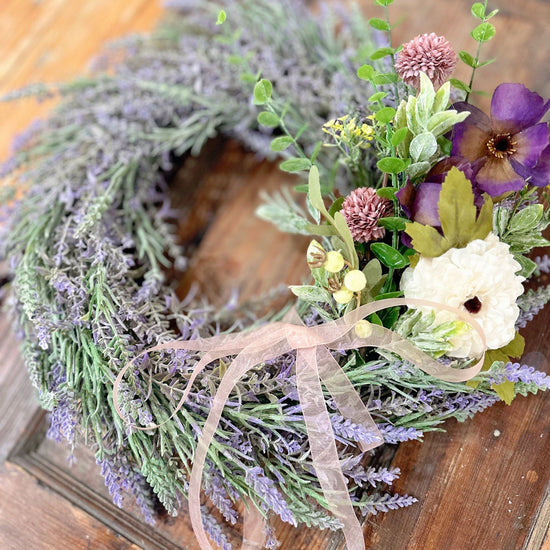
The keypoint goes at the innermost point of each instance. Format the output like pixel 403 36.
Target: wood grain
pixel 483 484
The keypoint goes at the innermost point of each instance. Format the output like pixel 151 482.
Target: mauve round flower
pixel 362 209
pixel 479 278
pixel 429 54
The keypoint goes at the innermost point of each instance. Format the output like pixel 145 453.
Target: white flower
pixel 480 278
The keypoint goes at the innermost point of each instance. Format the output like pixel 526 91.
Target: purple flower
pixel 511 146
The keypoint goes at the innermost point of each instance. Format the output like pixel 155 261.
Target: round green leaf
pixel 295 165
pixel 366 72
pixel 377 97
pixel 266 118
pixel 384 78
pixel 459 85
pixel 222 16
pixel 478 10
pixel 388 255
pixel 385 115
pixel 384 3
pixel 262 91
pixel 379 24
pixel 483 32
pixel 281 143
pixel 380 53
pixel 391 165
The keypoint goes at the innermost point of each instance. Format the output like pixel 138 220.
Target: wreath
pixel 405 205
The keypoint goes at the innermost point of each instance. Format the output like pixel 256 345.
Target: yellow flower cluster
pixel 350 130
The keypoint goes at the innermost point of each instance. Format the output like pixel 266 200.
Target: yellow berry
pixel 363 328
pixel 355 280
pixel 343 296
pixel 334 262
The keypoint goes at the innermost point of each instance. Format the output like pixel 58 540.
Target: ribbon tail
pixel 253 528
pixel 324 453
pixel 236 370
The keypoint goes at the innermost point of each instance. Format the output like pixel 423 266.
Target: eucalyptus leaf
pixel 399 136
pixel 262 91
pixel 483 32
pixel 366 72
pixel 417 169
pixel 380 53
pixel 387 192
pixel 478 10
pixel 385 115
pixel 393 223
pixel 378 96
pixel 391 165
pixel 281 143
pixel 467 58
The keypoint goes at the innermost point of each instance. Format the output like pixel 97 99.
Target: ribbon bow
pixel 314 363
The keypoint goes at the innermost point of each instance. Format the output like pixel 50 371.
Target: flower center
pixel 501 145
pixel 473 305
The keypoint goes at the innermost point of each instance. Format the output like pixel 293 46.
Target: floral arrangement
pixel 413 196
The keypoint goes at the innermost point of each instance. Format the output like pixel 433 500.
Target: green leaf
pixel 389 295
pixel 384 78
pixel 459 85
pixel 379 24
pixel 373 272
pixel 384 3
pixel 265 118
pixel 527 219
pixel 310 293
pixel 393 223
pixel 385 115
pixel 483 32
pixel 380 53
pixel 505 391
pixel 336 206
pixel 388 255
pixel 391 165
pixel 387 192
pixel 478 10
pixel 222 16
pixel 417 169
pixel 295 165
pixel 423 147
pixel 281 143
pixel 492 14
pixel 366 72
pixel 322 230
pixel 484 222
pixel 527 266
pixel 377 96
pixel 314 192
pixel 399 136
pixel 467 58
pixel 427 240
pixel 485 63
pixel 345 234
pixel 457 211
pixel 262 91
pixel 375 319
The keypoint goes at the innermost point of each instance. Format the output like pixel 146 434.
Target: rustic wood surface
pixel 482 485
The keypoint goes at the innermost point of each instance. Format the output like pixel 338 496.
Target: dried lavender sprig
pixel 531 303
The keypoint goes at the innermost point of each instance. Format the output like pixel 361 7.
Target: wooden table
pixel 481 485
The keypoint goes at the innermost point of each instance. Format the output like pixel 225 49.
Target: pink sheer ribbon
pixel 314 364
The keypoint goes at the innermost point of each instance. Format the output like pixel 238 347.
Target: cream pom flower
pixel 480 278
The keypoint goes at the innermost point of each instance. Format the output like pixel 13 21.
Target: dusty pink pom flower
pixel 427 53
pixel 362 209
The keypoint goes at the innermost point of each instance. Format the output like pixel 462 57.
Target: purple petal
pixel 514 108
pixel 530 144
pixel 497 176
pixel 425 204
pixel 470 141
pixel 405 196
pixel 438 173
pixel 477 117
pixel 540 175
